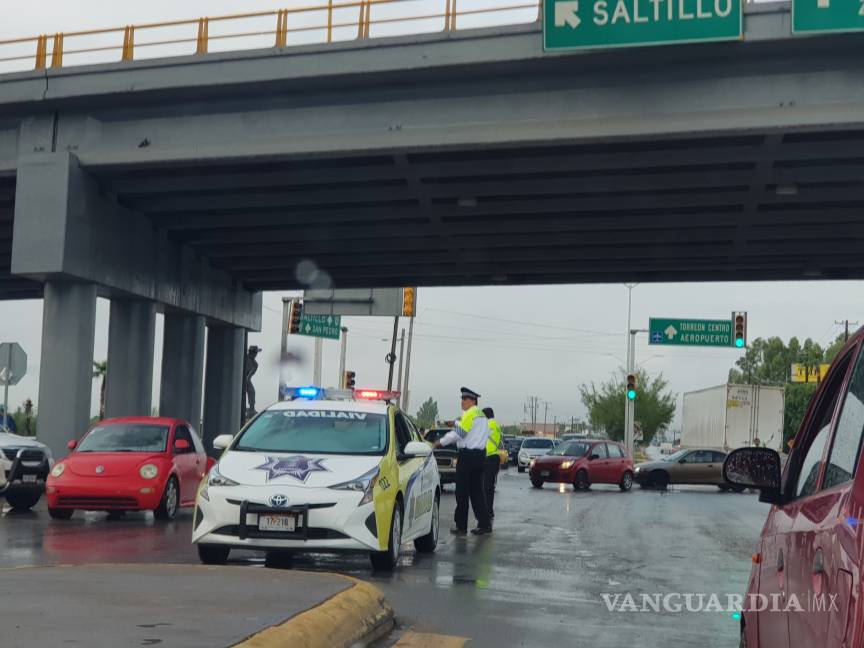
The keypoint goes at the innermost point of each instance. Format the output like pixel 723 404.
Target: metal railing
pixel 326 22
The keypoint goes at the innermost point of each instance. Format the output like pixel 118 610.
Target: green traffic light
pixel 739 342
pixel 631 394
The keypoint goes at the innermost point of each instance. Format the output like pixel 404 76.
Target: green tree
pixel 100 371
pixel 797 397
pixel 655 406
pixel 427 415
pixel 25 421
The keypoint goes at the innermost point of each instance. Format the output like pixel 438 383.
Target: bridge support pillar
pixel 66 365
pixel 131 332
pixel 223 383
pixel 182 367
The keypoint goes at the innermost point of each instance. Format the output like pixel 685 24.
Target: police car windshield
pixel 316 431
pixel 126 437
pixel 537 443
pixel 571 449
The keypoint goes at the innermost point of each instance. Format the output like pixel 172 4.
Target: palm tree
pixel 100 370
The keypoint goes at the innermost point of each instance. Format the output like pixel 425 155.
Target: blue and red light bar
pixel 311 392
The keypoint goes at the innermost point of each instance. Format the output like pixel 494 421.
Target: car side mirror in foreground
pixel 222 441
pixel 72 444
pixel 417 449
pixel 755 468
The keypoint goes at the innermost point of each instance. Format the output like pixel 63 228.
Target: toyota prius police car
pixel 324 470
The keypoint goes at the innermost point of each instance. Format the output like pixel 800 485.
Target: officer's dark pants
pixel 469 485
pixel 490 472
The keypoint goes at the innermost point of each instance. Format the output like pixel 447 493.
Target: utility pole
pixel 545 412
pixel 845 323
pixel 406 393
pixel 401 355
pixel 316 367
pixel 631 362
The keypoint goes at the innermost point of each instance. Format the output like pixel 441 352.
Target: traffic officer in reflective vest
pixel 470 435
pixel 493 460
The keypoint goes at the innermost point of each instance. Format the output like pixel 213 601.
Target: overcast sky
pixel 505 342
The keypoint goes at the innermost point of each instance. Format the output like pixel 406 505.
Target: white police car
pixel 326 470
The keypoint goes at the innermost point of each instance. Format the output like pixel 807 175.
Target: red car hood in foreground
pixel 84 464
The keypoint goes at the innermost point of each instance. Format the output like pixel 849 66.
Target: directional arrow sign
pixel 690 332
pixel 815 16
pixel 566 13
pixel 569 24
pixel 323 326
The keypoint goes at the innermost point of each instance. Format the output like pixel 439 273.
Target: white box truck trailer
pixel 733 416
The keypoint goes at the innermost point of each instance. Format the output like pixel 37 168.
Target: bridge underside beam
pixel 67 229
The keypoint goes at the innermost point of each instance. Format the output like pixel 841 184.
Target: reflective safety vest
pixel 493 445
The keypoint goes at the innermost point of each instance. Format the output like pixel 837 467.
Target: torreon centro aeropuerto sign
pixel 580 24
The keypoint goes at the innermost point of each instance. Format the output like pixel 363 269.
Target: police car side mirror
pixel 417 449
pixel 222 441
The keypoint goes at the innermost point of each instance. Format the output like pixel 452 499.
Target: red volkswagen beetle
pixel 129 464
pixel 583 463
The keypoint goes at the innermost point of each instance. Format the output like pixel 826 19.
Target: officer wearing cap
pixel 470 435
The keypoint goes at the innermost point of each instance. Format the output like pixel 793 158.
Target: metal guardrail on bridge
pixel 326 22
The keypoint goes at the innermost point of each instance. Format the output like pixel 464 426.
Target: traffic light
pixel 348 381
pixel 409 302
pixel 631 387
pixel 739 322
pixel 295 312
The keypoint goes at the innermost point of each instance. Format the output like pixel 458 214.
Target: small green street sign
pixel 323 326
pixel 690 332
pixel 815 16
pixel 579 24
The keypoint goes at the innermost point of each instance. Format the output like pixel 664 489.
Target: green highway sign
pixel 814 16
pixel 323 326
pixel 580 24
pixel 690 332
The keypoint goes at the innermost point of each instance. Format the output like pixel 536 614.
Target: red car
pixel 583 463
pixel 806 584
pixel 129 464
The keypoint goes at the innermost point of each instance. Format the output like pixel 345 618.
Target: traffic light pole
pixel 342 355
pixel 316 368
pixel 283 345
pixel 630 405
pixel 405 392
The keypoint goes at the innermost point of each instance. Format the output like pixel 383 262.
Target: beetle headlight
pixel 58 470
pixel 148 471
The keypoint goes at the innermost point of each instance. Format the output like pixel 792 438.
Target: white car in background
pixel 24 467
pixel 531 448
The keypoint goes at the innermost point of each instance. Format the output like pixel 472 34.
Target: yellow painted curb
pixel 355 616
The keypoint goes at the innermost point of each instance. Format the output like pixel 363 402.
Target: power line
pixel 845 323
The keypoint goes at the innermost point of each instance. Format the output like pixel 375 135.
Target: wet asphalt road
pixel 537 581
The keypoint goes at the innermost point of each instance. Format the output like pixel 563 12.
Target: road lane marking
pixel 427 640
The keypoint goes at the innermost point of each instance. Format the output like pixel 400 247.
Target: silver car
pixel 530 448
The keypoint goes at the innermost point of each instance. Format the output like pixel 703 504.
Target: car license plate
pixel 277 522
pixel 544 473
pixel 28 478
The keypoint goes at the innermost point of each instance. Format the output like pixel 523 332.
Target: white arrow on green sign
pixel 690 332
pixel 578 24
pixel 323 326
pixel 816 16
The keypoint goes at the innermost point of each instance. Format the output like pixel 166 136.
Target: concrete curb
pixel 356 616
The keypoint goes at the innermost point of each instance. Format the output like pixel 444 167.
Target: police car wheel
pixel 213 554
pixel 428 542
pixel 387 560
pixel 23 501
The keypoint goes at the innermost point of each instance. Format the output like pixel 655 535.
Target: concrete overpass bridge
pixel 462 158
